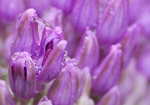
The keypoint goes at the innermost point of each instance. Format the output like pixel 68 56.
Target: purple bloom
pixel 22 76
pixel 107 73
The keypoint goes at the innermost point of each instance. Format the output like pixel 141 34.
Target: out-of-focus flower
pixel 136 9
pixel 39 5
pixel 5 97
pixel 112 97
pixel 85 100
pixel 9 10
pixel 84 14
pixel 87 53
pixel 143 61
pixel 22 76
pixel 144 21
pixel 130 43
pixel 44 101
pixel 54 17
pixel 113 23
pixel 65 5
pixel 107 73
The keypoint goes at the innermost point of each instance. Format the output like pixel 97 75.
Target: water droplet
pixel 15 56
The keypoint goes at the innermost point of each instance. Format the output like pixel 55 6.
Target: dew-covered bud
pixel 22 76
pixel 112 97
pixel 45 101
pixel 87 53
pixel 5 97
pixel 113 23
pixel 107 73
pixel 53 63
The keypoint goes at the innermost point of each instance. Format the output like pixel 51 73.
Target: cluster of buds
pixel 74 52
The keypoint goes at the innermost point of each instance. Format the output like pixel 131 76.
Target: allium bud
pixel 113 23
pixel 39 5
pixel 10 9
pixel 87 53
pixel 84 14
pixel 5 97
pixel 64 90
pixel 22 75
pixel 65 5
pixel 130 43
pixel 107 73
pixel 112 97
pixel 53 62
pixel 44 101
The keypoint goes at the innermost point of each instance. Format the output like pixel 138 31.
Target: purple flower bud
pixel 107 74
pixel 9 10
pixel 64 90
pixel 113 23
pixel 39 5
pixel 130 43
pixel 52 65
pixel 44 101
pixel 85 14
pixel 65 5
pixel 112 97
pixel 87 53
pixel 24 36
pixel 22 75
pixel 5 97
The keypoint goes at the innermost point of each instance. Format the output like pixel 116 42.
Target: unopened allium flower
pixel 74 52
